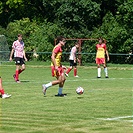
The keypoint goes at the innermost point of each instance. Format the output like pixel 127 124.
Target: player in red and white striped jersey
pixel 19 56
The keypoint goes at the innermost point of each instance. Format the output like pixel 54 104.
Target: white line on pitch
pixel 71 80
pixel 116 118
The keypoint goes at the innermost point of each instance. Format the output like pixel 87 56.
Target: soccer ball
pixel 79 90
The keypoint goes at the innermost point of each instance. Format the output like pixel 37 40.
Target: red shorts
pixel 57 73
pixel 100 60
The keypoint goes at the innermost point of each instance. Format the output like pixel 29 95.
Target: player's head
pixel 77 45
pixel 61 40
pixel 100 40
pixel 19 37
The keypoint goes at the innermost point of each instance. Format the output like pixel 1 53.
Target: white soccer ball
pixel 79 90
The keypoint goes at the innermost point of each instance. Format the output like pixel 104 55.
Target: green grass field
pixel 105 106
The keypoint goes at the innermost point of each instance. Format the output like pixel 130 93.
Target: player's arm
pixel 24 55
pixel 107 55
pixel 11 54
pixel 53 60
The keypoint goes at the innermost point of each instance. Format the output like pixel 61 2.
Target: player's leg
pixel 105 70
pixel 98 71
pixel 98 67
pixel 2 90
pixel 61 84
pixel 58 76
pixel 59 81
pixel 70 68
pixel 75 70
pixel 22 63
pixel 16 75
pixel 22 69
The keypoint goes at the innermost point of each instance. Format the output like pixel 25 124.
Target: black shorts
pixel 72 63
pixel 19 61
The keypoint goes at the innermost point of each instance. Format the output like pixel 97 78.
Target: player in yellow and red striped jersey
pixel 100 57
pixel 57 68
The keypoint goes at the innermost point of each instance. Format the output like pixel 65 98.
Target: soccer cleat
pixel 14 76
pixel 17 81
pixel 98 77
pixel 106 77
pixel 66 75
pixel 5 96
pixel 60 95
pixel 44 89
pixel 76 76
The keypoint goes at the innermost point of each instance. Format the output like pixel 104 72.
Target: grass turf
pixel 105 106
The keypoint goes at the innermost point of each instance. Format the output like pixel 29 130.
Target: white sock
pixel 60 90
pixel 99 72
pixel 106 71
pixel 48 85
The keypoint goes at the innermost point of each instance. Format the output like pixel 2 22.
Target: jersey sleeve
pixel 105 46
pixel 14 44
pixel 56 50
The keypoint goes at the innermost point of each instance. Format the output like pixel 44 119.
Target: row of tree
pixel 40 21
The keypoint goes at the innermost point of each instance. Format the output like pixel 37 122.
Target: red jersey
pixel 58 51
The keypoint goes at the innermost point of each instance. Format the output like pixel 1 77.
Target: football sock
pixel 99 72
pixel 48 85
pixel 75 71
pixel 2 91
pixel 60 90
pixel 20 70
pixel 17 74
pixel 68 70
pixel 106 71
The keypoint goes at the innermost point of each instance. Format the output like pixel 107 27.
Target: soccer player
pixel 19 56
pixel 73 60
pixel 56 68
pixel 2 90
pixel 100 57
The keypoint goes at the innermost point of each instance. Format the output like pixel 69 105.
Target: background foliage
pixel 40 21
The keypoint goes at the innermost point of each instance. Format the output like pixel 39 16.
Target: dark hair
pixel 77 43
pixel 19 35
pixel 100 38
pixel 59 38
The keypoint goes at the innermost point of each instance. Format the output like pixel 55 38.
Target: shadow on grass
pixel 25 81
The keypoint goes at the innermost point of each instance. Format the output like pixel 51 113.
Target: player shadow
pixel 79 97
pixel 25 81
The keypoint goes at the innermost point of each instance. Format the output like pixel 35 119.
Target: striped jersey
pixel 18 46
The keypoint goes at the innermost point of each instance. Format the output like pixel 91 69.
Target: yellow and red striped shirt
pixel 58 51
pixel 101 48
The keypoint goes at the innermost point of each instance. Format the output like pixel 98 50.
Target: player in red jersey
pixel 19 56
pixel 73 60
pixel 3 95
pixel 56 68
pixel 100 57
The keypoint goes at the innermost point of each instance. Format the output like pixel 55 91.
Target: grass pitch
pixel 105 106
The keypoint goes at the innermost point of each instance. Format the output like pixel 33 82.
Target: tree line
pixel 40 21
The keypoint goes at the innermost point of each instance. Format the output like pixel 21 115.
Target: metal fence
pixel 117 58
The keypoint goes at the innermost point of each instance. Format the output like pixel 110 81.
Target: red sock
pixel 2 91
pixel 68 70
pixel 20 70
pixel 75 71
pixel 17 74
pixel 1 88
pixel 0 82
